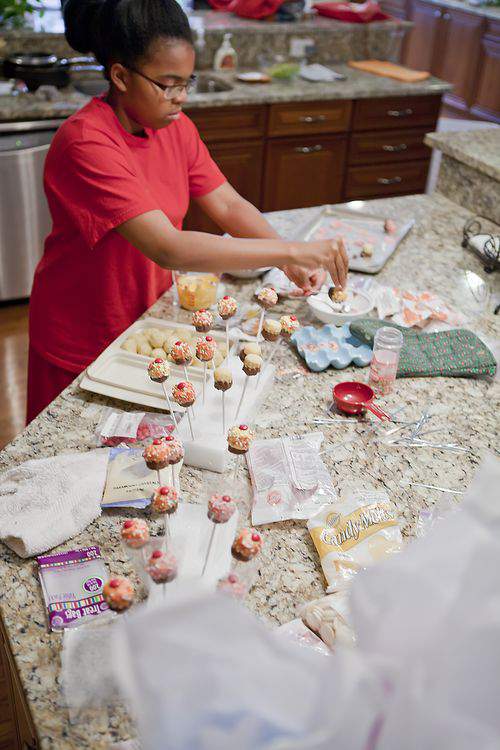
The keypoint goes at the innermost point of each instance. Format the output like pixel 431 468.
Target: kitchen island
pixel 430 258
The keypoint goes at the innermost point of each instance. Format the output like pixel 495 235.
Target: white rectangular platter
pixel 356 227
pixel 120 374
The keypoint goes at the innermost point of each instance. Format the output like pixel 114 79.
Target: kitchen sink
pixel 91 86
pixel 207 84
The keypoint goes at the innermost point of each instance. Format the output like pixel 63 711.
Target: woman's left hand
pixel 309 282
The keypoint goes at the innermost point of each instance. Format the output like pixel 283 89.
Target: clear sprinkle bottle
pixel 384 365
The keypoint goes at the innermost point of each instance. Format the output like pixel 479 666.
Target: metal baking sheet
pixel 357 227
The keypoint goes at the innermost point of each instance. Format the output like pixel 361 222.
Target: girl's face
pixel 170 64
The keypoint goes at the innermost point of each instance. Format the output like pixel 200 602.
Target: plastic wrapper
pixel 329 618
pixel 289 478
pixel 301 635
pixel 129 482
pixel 117 426
pixel 354 534
pixel 424 674
pixel 72 585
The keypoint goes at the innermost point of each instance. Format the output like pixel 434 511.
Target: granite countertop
pixel 478 148
pixel 432 258
pixel 358 85
pixel 491 12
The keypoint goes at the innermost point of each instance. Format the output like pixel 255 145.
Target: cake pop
pixel 271 330
pixel 135 533
pixel 267 297
pixel 162 566
pixel 227 307
pixel 289 324
pixel 118 593
pixel 231 585
pixel 181 353
pixel 203 320
pixel 165 500
pixel 159 370
pixel 156 455
pixel 221 508
pixel 247 544
pixel 239 439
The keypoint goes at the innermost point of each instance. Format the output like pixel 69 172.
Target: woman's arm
pixel 240 218
pixel 154 235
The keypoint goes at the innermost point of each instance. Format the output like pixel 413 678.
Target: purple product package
pixel 72 584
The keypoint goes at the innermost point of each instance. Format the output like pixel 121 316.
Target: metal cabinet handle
pixel 308 149
pixel 310 118
pixel 446 16
pixel 389 180
pixel 398 147
pixel 437 13
pixel 399 112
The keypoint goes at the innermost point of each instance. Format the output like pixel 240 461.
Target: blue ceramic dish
pixel 330 345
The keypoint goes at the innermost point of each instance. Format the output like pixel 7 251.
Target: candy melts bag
pixel 117 426
pixel 354 534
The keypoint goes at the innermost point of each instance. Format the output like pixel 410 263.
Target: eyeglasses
pixel 170 91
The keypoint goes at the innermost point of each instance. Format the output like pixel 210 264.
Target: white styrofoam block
pixel 209 449
pixel 190 531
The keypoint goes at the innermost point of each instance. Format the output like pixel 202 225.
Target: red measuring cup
pixel 353 397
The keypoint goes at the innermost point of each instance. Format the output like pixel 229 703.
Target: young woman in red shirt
pixel 119 176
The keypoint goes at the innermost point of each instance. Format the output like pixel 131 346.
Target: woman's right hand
pixel 328 254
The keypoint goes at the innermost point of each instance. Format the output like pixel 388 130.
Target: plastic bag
pixel 329 618
pixel 72 585
pixel 117 426
pixel 354 534
pixel 289 478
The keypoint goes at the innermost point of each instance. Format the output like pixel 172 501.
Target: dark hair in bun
pixel 122 30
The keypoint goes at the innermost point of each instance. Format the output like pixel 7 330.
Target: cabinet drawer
pixel 388 146
pixel 229 123
pixel 302 118
pixel 396 112
pixel 304 172
pixel 386 179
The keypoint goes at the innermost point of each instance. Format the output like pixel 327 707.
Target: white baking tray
pixel 357 225
pixel 120 374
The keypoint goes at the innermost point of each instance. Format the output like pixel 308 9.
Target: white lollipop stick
pixel 209 548
pixel 236 464
pixel 190 423
pixel 242 397
pixel 223 412
pixel 261 322
pixel 204 381
pixel 268 360
pixel 187 380
pixel 173 475
pixel 227 339
pixel 165 391
pixel 167 526
pixel 159 477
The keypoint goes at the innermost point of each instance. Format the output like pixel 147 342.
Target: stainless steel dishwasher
pixel 24 214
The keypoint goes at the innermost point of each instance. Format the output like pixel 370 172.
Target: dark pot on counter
pixel 42 69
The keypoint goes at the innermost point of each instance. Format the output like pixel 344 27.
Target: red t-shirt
pixel 91 284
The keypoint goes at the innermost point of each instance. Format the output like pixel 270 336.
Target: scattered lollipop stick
pixel 172 412
pixel 242 397
pixel 209 549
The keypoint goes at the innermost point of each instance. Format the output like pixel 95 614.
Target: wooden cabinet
pixel 242 164
pixel 457 55
pixel 420 46
pixel 486 95
pixel 301 154
pixel 304 172
pixel 17 731
pixel 460 47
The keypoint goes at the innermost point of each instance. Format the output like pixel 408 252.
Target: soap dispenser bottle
pixel 225 57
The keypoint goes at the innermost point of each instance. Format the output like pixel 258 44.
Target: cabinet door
pixel 422 41
pixel 457 59
pixel 8 731
pixel 486 101
pixel 304 172
pixel 241 163
pixel 387 146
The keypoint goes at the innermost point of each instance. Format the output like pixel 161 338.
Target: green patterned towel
pixel 458 353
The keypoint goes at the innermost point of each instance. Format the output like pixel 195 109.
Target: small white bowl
pixel 359 302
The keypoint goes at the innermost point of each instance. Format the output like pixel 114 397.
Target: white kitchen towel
pixel 44 502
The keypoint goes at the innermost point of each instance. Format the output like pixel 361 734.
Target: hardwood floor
pixel 13 369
